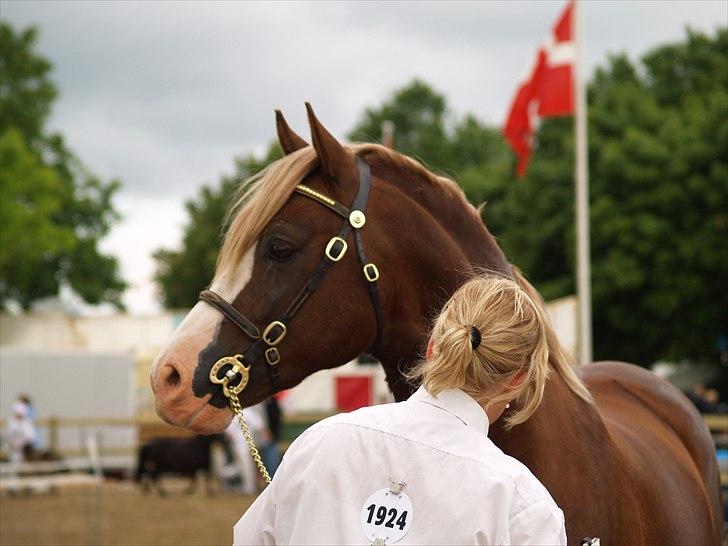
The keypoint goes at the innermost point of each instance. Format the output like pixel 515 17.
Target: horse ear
pixel 337 163
pixel 290 142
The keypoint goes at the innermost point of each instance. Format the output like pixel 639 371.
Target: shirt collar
pixel 459 404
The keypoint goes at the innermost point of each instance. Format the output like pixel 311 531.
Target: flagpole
pixel 581 174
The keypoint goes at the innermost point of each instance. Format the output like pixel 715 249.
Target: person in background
pixel 20 433
pixel 697 396
pixel 712 401
pixel 32 416
pixel 19 437
pixel 706 400
pixel 425 469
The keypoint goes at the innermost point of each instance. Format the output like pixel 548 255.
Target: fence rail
pixel 293 425
pixel 716 422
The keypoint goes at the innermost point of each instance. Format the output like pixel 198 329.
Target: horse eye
pixel 280 250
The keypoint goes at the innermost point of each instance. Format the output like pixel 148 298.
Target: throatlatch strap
pixel 373 291
pixel 360 203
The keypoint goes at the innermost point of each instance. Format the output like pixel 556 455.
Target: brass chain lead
pixel 238 410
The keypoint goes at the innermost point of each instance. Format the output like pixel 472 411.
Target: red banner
pixel 548 90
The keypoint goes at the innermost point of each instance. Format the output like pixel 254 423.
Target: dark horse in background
pixel 186 457
pixel 623 453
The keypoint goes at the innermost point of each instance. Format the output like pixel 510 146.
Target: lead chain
pixel 238 410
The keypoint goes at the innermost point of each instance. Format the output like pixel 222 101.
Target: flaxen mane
pixel 260 197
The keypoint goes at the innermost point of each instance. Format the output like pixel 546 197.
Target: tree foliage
pixel 424 129
pixel 182 274
pixel 54 212
pixel 27 91
pixel 658 154
pixel 659 164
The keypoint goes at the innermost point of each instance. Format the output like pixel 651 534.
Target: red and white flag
pixel 547 91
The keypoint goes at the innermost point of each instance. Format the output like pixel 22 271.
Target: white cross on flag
pixel 547 91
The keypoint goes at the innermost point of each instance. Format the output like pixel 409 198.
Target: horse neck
pixel 448 207
pixel 562 418
pixel 464 246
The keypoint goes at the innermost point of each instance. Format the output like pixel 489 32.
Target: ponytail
pixel 452 358
pixel 488 332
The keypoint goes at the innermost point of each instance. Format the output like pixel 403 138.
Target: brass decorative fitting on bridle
pixel 371 272
pixel 336 249
pixel 237 368
pixel 357 219
pixel 274 333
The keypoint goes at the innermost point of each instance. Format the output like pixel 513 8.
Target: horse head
pixel 417 231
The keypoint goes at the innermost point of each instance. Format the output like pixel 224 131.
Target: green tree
pixel 425 129
pixel 659 163
pixel 419 115
pixel 54 212
pixel 26 91
pixel 659 181
pixel 182 274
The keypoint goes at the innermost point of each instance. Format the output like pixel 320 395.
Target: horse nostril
pixel 173 377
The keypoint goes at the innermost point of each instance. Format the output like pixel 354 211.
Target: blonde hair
pixel 560 359
pixel 512 339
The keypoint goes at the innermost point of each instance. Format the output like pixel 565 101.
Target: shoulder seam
pixel 464 457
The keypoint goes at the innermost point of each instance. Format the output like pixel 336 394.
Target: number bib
pixel 386 516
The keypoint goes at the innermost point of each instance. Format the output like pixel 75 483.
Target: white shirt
pixel 463 489
pixel 20 432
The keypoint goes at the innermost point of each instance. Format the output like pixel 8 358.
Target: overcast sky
pixel 164 95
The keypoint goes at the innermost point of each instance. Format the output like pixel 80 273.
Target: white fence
pixel 73 384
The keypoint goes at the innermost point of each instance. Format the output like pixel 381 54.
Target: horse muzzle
pixel 175 403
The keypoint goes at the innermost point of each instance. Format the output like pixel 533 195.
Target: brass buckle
pixel 371 272
pixel 357 219
pixel 237 367
pixel 330 247
pixel 272 341
pixel 272 356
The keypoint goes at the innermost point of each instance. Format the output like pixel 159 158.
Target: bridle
pixel 265 344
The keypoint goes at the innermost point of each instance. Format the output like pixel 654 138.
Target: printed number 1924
pixel 390 515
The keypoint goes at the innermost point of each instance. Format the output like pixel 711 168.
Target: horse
pixel 185 456
pixel 622 452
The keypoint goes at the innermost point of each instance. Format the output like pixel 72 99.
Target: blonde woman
pixel 423 471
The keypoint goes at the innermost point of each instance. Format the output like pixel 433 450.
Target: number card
pixel 386 516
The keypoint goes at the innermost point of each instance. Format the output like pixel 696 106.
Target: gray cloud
pixel 154 92
pixel 164 94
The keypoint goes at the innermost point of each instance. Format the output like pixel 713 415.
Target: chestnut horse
pixel 624 454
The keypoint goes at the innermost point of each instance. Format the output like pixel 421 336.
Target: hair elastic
pixel 475 337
